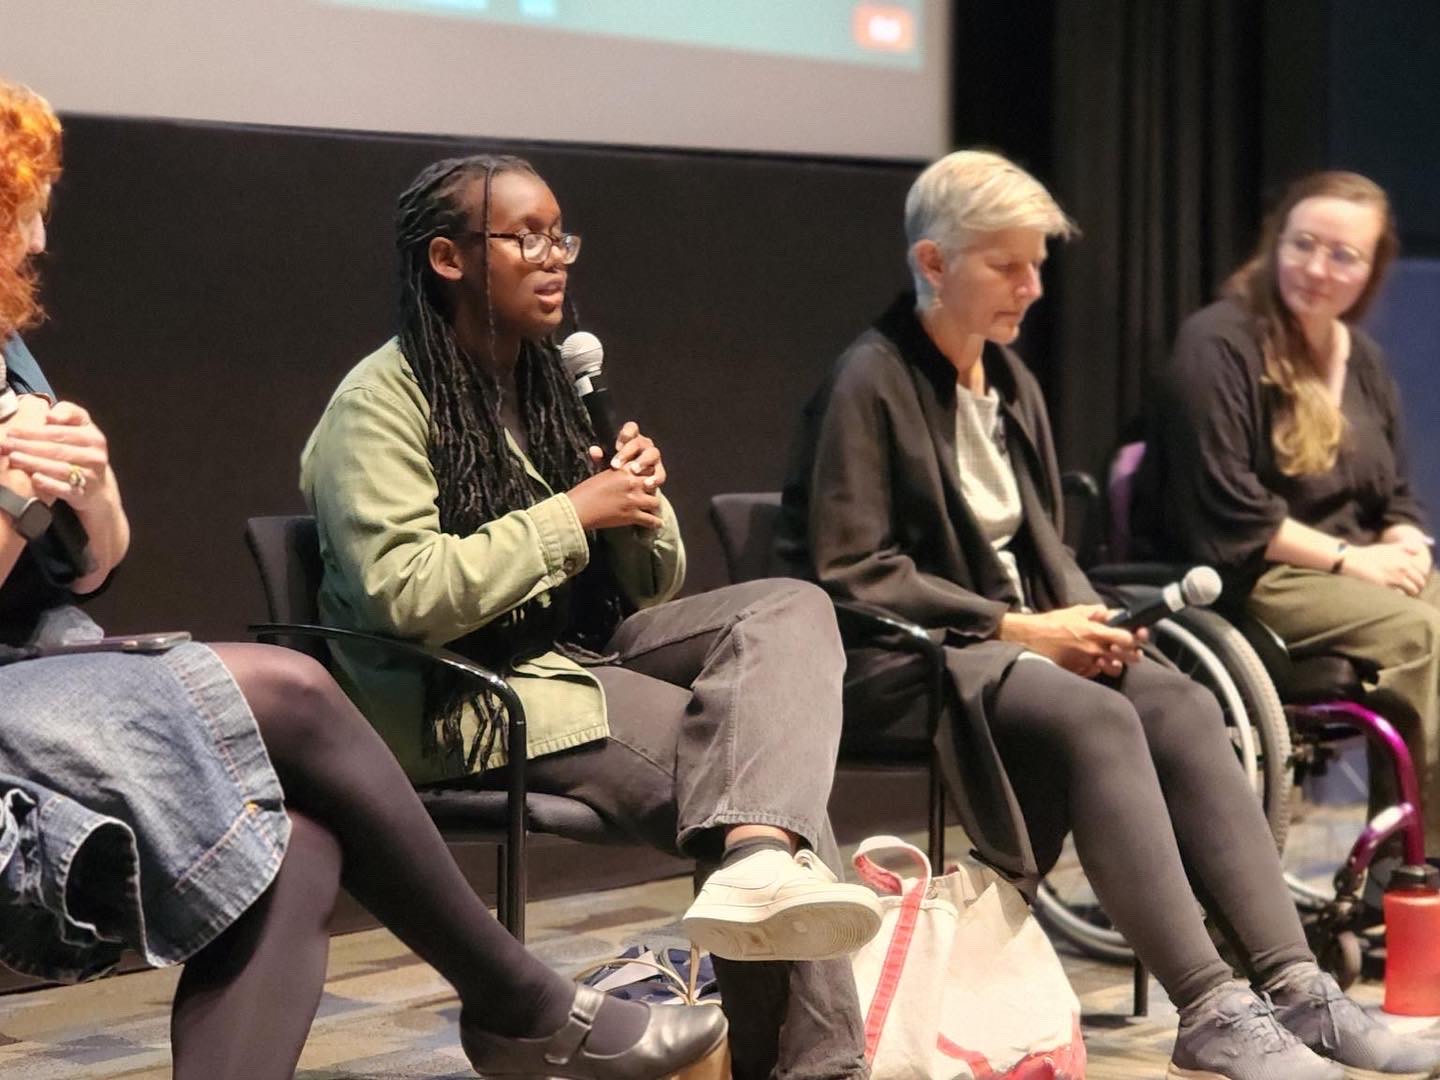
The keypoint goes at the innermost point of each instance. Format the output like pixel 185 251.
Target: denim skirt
pixel 147 773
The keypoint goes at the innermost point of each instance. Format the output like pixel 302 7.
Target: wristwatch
pixel 1339 564
pixel 31 516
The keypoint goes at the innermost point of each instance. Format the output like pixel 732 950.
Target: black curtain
pixel 1157 128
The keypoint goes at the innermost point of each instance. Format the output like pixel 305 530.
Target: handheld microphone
pixel 1198 588
pixel 583 357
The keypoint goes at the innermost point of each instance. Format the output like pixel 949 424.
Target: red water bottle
pixel 1412 942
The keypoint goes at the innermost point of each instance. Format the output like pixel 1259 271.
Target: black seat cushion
pixel 886 707
pixel 1318 679
pixel 458 808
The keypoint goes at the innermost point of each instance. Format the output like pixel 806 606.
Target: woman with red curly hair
pixel 200 804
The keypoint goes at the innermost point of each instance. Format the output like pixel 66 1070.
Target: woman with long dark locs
pixel 460 500
pixel 215 797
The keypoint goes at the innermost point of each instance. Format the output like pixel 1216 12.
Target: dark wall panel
pixel 1384 86
pixel 209 285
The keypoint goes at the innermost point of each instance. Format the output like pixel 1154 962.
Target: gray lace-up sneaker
pixel 1313 1007
pixel 1230 1033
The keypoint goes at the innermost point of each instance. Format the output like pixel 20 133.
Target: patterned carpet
pixel 386 1016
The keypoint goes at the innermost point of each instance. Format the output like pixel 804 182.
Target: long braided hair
pixel 477 478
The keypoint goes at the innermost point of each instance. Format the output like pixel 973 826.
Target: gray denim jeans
pixel 724 709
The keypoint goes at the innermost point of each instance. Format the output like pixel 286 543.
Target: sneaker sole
pixel 805 929
pixel 1353 1073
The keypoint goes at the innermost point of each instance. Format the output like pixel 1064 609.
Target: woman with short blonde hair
pixel 927 485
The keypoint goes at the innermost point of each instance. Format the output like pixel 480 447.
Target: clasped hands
pixel 628 491
pixel 1076 638
pixel 1401 560
pixel 61 449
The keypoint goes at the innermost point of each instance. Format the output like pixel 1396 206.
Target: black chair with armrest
pixel 286 550
pixel 746 523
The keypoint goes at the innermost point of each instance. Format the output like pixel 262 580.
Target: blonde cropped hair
pixel 975 191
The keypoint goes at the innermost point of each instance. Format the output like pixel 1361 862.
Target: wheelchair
pixel 1285 717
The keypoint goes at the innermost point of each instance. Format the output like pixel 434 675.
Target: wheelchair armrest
pixel 516 735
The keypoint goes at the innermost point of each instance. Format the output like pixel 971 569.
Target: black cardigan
pixel 873 511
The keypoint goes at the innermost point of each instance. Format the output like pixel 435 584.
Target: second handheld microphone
pixel 1198 588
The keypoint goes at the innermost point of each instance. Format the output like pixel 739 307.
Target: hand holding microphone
pixel 1200 587
pixel 584 359
pixel 627 492
pixel 1076 637
pixel 1090 640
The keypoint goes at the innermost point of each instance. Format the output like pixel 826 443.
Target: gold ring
pixel 77 480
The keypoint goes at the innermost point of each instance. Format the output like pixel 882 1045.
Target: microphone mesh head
pixel 582 354
pixel 1201 586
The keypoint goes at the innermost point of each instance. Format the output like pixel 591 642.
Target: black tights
pixel 246 1001
pixel 1142 771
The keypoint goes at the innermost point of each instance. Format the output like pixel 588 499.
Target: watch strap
pixel 12 502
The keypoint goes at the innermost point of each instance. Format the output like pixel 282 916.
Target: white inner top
pixel 987 479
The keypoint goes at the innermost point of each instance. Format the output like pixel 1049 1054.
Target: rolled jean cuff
pixel 808 831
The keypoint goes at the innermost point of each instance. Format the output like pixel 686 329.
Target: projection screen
pixel 831 77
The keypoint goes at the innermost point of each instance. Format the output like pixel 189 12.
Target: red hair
pixel 29 164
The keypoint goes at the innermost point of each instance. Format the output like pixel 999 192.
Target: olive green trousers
pixel 1316 612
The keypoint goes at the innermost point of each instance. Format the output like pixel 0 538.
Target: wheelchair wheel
pixel 1208 649
pixel 1193 639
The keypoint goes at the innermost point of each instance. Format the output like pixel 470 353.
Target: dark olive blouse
pixel 1210 489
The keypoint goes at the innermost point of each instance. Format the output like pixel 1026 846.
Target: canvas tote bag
pixel 960 982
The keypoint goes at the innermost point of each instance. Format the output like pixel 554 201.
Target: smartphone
pixel 143 643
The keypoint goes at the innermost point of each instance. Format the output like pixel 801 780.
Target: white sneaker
pixel 776 906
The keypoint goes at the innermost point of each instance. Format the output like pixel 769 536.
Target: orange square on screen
pixel 884 27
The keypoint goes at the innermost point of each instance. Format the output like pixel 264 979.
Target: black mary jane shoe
pixel 675 1036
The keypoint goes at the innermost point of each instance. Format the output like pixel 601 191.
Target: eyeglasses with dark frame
pixel 535 246
pixel 1342 260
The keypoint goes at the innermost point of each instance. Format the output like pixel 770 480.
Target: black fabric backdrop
pixel 1157 158
pixel 209 285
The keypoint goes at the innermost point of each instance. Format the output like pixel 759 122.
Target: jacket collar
pixel 902 325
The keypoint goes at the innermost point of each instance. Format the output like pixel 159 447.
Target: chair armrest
pixel 1090 545
pixel 516 733
pixel 443 657
pixel 856 616
pixel 871 620
pixel 1079 483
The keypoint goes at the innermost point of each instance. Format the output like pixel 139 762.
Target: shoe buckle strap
pixel 565 1043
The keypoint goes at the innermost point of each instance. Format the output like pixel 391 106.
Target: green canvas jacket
pixel 365 473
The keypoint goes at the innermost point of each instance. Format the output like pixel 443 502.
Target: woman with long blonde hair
pixel 1276 454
